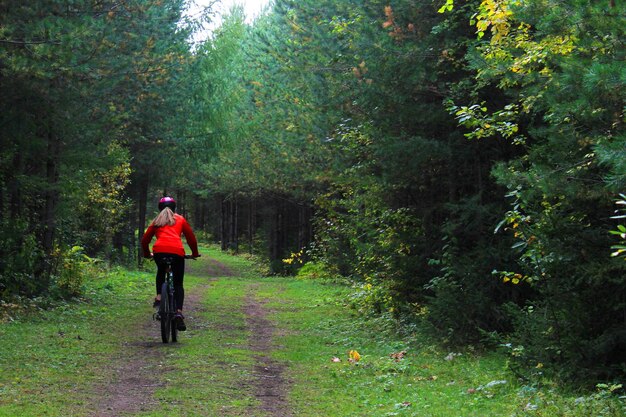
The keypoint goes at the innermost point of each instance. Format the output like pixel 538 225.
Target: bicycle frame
pixel 167 308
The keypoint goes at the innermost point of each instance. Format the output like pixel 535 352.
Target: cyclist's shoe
pixel 156 303
pixel 180 322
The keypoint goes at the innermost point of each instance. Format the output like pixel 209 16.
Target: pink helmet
pixel 167 202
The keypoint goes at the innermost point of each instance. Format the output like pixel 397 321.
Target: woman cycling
pixel 168 227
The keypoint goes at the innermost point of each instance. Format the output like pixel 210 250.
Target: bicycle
pixel 167 308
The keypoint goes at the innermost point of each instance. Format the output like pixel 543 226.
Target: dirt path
pixel 269 382
pixel 218 269
pixel 139 370
pixel 133 379
pixel 208 267
pixel 138 373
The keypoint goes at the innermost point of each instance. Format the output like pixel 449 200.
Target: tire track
pixel 140 368
pixel 268 374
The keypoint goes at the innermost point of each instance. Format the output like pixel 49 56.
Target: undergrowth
pixel 337 360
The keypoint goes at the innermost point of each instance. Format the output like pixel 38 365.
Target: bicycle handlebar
pixel 186 256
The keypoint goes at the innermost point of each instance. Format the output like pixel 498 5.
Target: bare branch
pixel 21 42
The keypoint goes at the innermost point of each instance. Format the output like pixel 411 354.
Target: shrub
pixel 314 270
pixel 21 262
pixel 69 271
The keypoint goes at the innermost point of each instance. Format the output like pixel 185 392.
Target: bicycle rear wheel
pixel 166 314
pixel 173 321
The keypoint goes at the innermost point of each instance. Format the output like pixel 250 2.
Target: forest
pixel 462 164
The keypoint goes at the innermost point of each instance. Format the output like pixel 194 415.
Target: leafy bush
pixel 466 305
pixel 69 271
pixel 563 258
pixel 21 262
pixel 604 402
pixel 314 270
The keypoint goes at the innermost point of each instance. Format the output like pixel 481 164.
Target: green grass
pixel 75 348
pixel 421 383
pixel 43 357
pixel 211 364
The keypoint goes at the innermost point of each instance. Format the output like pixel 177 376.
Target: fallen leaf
pixel 398 356
pixel 335 359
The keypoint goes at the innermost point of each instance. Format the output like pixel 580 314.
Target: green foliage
pixel 620 250
pixel 565 113
pixel 360 113
pixel 483 125
pixel 314 270
pixel 20 261
pixel 70 268
pixel 467 304
pixel 88 102
pixel 105 203
pixel 393 175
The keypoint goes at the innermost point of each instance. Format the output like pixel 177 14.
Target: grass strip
pixel 67 349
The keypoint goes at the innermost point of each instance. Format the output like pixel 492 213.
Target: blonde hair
pixel 164 218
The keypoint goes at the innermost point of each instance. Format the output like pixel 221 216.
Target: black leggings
pixel 178 268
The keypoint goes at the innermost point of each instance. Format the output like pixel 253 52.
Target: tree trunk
pixel 52 192
pixel 479 179
pixel 141 215
pixel 2 202
pixel 132 235
pixel 13 187
pixel 198 211
pixel 304 226
pixel 181 206
pixel 310 224
pixel 283 228
pixel 223 223
pixel 274 233
pixel 251 225
pixel 235 226
pixel 118 244
pixel 231 225
pixel 279 231
pixel 452 175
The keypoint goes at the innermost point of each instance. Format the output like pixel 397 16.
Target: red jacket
pixel 168 238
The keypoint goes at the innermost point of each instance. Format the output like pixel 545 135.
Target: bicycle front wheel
pixel 166 314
